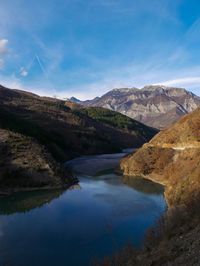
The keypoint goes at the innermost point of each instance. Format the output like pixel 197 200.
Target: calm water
pixel 73 227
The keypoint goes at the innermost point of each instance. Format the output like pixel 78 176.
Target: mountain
pixel 75 100
pixel 38 134
pixel 157 106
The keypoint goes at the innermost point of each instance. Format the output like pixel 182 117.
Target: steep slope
pixel 140 131
pixel 24 163
pixel 156 106
pixel 172 157
pixel 38 131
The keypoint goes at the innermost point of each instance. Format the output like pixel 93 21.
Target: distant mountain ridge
pixel 75 100
pixel 155 105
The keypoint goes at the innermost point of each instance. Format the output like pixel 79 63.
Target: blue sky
pixel 86 47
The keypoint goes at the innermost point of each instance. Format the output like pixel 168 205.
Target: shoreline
pixel 10 191
pixel 4 192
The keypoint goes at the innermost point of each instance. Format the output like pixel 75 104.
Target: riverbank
pixel 10 191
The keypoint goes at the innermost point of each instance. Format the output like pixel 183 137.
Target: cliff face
pixel 156 106
pixel 172 158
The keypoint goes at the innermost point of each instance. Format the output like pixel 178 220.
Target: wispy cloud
pixel 23 72
pixel 182 82
pixel 85 48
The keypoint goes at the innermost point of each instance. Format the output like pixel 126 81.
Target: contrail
pixel 43 69
pixel 41 65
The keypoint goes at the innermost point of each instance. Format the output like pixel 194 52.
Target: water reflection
pixel 143 185
pixel 25 201
pixel 95 165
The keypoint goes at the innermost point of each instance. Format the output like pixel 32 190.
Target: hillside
pixel 157 106
pixel 171 158
pixel 117 120
pixel 24 163
pixel 38 131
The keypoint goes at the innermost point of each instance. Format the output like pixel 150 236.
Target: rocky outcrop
pixel 172 158
pixel 156 106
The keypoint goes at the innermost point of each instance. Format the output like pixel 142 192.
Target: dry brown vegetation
pixel 176 166
pixel 172 158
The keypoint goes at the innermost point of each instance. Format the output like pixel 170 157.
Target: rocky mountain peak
pixel 154 87
pixel 74 99
pixel 165 89
pixel 155 105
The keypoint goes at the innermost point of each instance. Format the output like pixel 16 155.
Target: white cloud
pixel 23 72
pixel 11 83
pixel 89 91
pixel 186 81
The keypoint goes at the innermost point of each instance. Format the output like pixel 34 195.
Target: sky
pixel 84 48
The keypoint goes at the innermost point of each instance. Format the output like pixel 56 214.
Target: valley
pixel 38 134
pixel 97 164
pixel 100 133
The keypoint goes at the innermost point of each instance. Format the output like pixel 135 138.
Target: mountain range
pixel 155 105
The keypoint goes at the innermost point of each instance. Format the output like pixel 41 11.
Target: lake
pixel 91 220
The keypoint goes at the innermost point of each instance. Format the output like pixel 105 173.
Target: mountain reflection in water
pixel 25 201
